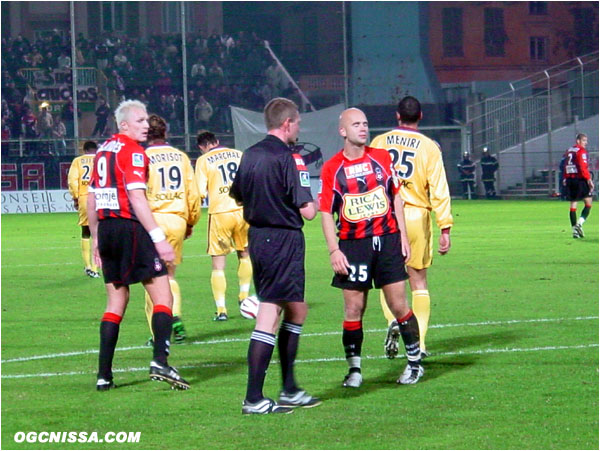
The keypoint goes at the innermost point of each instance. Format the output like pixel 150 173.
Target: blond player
pixel 424 188
pixel 175 203
pixel 79 178
pixel 215 171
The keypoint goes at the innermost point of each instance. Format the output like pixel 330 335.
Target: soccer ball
pixel 249 307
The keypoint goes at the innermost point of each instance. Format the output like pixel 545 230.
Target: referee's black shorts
pixel 577 189
pixel 377 260
pixel 127 252
pixel 277 257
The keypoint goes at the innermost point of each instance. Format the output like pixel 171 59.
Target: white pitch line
pixel 320 360
pixel 35 265
pixel 316 334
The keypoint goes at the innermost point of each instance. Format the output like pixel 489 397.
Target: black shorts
pixel 277 257
pixel 373 259
pixel 128 254
pixel 577 189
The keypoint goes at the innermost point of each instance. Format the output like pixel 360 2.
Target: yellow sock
pixel 149 307
pixel 421 309
pixel 176 292
pixel 245 277
pixel 386 310
pixel 86 253
pixel 218 284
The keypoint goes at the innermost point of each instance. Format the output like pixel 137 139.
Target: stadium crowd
pixel 222 70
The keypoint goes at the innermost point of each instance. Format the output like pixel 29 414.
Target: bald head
pixel 354 126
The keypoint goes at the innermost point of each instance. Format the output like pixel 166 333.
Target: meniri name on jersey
pixel 369 205
pixel 404 141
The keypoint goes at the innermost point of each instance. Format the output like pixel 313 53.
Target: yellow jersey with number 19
pixel 215 171
pixel 171 185
pixel 418 161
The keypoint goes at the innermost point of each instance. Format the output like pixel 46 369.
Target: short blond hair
pixel 122 111
pixel 278 110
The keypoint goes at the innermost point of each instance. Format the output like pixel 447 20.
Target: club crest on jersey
pixel 157 265
pixel 304 178
pixel 358 170
pixel 137 160
pixel 378 174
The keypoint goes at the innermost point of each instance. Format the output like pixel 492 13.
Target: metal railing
pixel 535 106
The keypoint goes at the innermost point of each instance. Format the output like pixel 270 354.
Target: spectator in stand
pixel 202 113
pixel 68 116
pixel 102 115
pixel 29 130
pixel 120 59
pixel 45 121
pixel 64 61
pixel 198 71
pixel 5 129
pixel 164 84
pixel 59 132
pixel 116 83
pixel 215 73
pixel 101 56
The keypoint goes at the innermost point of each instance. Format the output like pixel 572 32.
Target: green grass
pixel 514 337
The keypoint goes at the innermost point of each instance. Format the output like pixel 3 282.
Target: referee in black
pixel 273 185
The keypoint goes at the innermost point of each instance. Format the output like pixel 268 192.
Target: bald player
pixel 367 241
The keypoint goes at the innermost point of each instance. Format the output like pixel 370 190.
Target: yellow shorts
pixel 174 227
pixel 83 217
pixel 418 228
pixel 227 231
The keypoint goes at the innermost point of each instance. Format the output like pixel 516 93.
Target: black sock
pixel 409 329
pixel 573 217
pixel 586 211
pixel 259 356
pixel 162 326
pixel 352 339
pixel 109 334
pixel 287 345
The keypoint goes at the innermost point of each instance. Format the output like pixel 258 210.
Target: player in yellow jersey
pixel 215 171
pixel 175 203
pixel 424 188
pixel 79 178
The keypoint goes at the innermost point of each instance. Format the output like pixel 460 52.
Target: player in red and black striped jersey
pixel 127 242
pixel 360 186
pixel 578 183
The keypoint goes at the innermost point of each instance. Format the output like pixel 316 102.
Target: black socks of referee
pixel 409 330
pixel 259 356
pixel 287 345
pixel 109 334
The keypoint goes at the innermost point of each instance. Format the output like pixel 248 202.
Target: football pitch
pixel 513 341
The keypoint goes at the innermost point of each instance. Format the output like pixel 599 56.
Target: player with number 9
pixel 227 230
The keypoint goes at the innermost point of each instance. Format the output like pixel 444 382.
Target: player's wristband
pixel 157 235
pixel 336 249
pixel 446 231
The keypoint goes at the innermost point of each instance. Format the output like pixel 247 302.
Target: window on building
pixel 538 48
pixel 494 34
pixel 113 16
pixel 538 8
pixel 171 17
pixel 586 40
pixel 452 31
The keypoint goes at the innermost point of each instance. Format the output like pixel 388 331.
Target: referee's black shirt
pixel 271 185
